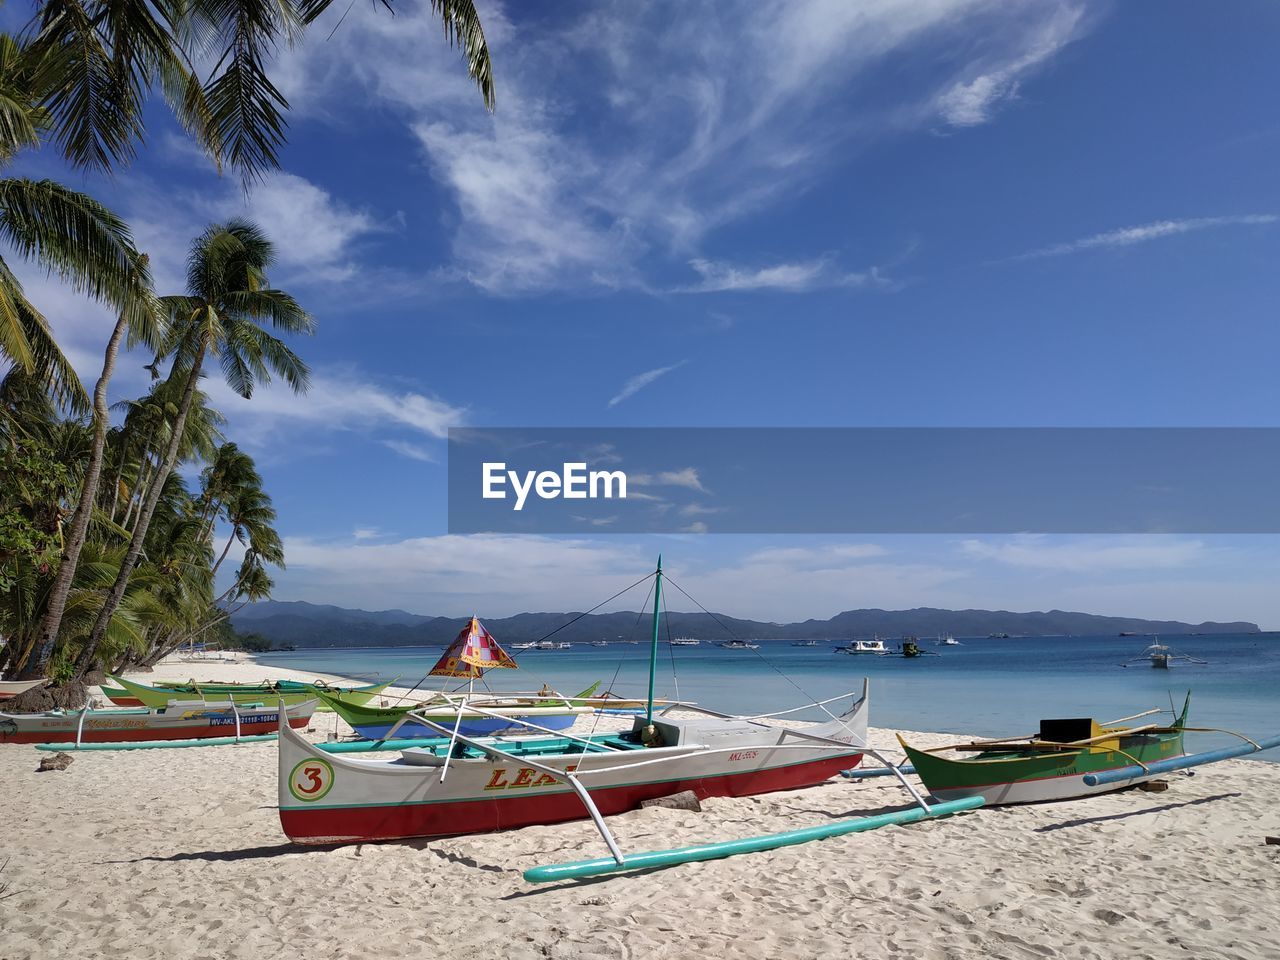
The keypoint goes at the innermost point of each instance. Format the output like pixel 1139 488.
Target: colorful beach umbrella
pixel 474 652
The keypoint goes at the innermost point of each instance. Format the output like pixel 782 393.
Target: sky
pixel 777 213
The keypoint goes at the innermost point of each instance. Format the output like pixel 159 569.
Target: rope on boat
pixel 758 654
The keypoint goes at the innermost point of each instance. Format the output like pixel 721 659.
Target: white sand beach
pixel 178 854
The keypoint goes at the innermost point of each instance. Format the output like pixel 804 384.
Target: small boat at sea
pixel 875 647
pixel 738 645
pixel 949 641
pixel 805 643
pixel 129 693
pixel 178 720
pixel 1161 656
pixel 12 688
pixel 527 645
pixel 599 643
pixel 685 642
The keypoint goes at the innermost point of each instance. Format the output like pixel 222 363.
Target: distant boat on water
pixel 1160 656
pixel 950 641
pixel 805 643
pixel 874 647
pixel 1127 633
pixel 685 642
pixel 739 645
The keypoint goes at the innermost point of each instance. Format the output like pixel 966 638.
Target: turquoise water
pixel 986 687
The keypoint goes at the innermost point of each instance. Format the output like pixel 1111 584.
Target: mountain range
pixel 305 624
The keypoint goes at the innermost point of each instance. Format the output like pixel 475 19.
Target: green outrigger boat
pixel 548 710
pixel 130 693
pixel 1056 763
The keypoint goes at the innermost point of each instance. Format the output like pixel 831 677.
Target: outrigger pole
pixel 1180 763
pixel 729 848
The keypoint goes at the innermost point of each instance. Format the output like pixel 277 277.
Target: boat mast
pixel 653 647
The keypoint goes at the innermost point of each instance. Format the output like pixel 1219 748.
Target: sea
pixel 985 686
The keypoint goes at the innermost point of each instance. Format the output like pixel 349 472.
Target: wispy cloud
pixel 339 399
pixel 686 477
pixel 414 451
pixel 973 100
pixel 1038 552
pixel 798 277
pixel 1144 233
pixel 642 380
pixel 738 112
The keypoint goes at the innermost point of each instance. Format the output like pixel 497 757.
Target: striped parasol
pixel 474 652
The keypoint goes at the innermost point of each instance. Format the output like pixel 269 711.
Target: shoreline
pixel 178 854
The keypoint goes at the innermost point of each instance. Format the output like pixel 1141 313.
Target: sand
pixel 178 854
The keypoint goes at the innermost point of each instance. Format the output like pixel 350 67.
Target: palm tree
pixel 228 296
pixel 67 233
pixel 96 50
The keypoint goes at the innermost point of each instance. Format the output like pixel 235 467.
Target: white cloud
pixel 413 451
pixel 973 100
pixel 626 134
pixel 1144 233
pixel 338 400
pixel 309 227
pixel 642 380
pixel 364 533
pixel 686 477
pixel 795 277
pixel 1085 556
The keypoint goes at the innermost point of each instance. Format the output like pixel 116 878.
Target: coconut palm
pixel 67 233
pixel 228 297
pixel 101 59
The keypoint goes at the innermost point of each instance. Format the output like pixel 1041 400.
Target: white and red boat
pixel 180 720
pixel 11 688
pixel 456 784
pixel 472 785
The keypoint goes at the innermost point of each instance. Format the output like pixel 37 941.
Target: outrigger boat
pixel 469 657
pixel 1065 759
pixel 179 720
pixel 11 688
pixel 1160 656
pixel 131 693
pixel 460 784
pixel 874 647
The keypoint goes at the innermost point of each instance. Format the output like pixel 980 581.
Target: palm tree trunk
pixel 225 551
pixel 51 622
pixel 165 467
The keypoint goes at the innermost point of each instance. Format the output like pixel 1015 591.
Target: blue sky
pixel 749 214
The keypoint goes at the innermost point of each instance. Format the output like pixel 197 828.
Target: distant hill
pixel 320 625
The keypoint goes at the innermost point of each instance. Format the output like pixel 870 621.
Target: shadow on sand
pixel 1085 821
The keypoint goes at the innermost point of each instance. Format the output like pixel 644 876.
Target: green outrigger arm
pixel 731 848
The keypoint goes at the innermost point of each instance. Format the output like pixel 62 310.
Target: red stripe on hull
pixel 132 736
pixel 362 824
pixel 125 701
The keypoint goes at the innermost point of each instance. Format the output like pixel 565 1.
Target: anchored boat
pixel 1160 656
